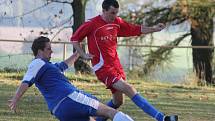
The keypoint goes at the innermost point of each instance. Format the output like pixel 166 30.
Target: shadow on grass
pixel 187 88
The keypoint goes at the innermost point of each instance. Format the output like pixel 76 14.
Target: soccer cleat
pixel 171 118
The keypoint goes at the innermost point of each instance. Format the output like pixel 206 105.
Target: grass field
pixel 189 102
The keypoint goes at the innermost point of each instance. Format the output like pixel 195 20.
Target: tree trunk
pixel 78 7
pixel 202 35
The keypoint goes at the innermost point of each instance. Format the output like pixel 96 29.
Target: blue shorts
pixel 77 106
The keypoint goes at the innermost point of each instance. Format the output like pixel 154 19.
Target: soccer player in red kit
pixel 102 32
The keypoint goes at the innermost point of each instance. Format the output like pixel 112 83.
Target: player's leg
pixel 70 109
pixel 92 119
pixel 141 102
pixel 115 103
pixel 117 99
pixel 112 114
pixel 78 106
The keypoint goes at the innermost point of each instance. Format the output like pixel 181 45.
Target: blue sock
pixel 110 104
pixel 147 107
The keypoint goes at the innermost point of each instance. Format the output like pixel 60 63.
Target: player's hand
pixel 12 103
pixel 87 56
pixel 160 26
pixel 76 54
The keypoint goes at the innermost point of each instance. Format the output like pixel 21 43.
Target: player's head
pixel 110 9
pixel 108 3
pixel 41 47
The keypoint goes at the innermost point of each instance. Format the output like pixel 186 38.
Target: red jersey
pixel 102 40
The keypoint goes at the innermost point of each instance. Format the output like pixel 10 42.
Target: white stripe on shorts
pixel 83 99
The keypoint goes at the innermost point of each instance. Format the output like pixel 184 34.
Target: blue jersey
pixel 50 80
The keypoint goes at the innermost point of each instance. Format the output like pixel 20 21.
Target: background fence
pixel 17 54
pixel 189 102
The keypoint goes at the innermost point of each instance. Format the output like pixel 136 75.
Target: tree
pixel 200 15
pixel 78 7
pixel 202 35
pixel 59 18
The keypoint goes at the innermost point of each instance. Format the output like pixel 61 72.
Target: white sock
pixel 120 116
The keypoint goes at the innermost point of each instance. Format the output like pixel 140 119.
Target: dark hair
pixel 108 3
pixel 39 44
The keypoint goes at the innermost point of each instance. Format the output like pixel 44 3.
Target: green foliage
pixel 200 15
pixel 161 55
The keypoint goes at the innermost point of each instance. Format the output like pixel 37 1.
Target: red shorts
pixel 109 76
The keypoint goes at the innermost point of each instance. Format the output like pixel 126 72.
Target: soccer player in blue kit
pixel 64 100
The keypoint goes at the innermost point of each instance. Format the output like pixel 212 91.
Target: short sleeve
pixel 32 72
pixel 62 66
pixel 127 29
pixel 82 32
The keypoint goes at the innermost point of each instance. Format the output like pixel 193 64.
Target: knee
pixel 130 91
pixel 122 117
pixel 130 87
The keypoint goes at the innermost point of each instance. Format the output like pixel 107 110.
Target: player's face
pixel 47 51
pixel 111 14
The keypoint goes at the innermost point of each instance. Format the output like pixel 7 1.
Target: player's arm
pixel 128 29
pixel 83 31
pixel 78 48
pixel 70 61
pixel 156 28
pixel 28 81
pixel 20 91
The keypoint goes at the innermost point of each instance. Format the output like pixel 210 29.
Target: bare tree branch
pixel 162 54
pixel 60 31
pixel 62 23
pixel 57 1
pixel 29 12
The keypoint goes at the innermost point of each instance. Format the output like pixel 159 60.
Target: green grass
pixel 191 103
